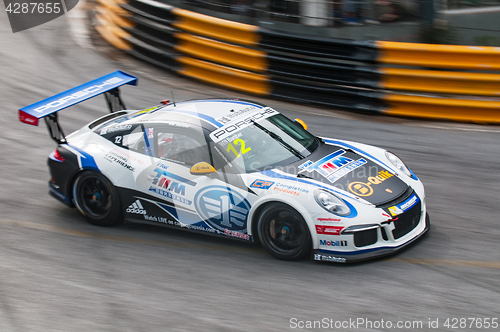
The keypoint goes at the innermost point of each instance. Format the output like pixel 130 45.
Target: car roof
pixel 208 113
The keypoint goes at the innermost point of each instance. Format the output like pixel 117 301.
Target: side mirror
pixel 202 168
pixel 302 123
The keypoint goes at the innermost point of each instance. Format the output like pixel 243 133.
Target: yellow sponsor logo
pixel 394 210
pixel 361 189
pixel 365 188
pixel 202 168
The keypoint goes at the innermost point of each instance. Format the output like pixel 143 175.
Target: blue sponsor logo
pixel 306 164
pixel 345 170
pixel 222 208
pixel 262 184
pixel 164 184
pixel 334 166
pixel 168 194
pixel 400 208
pixel 160 172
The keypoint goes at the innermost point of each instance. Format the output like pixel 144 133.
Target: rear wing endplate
pixel 48 108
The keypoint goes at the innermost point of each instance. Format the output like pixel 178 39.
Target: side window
pixel 128 137
pixel 133 141
pixel 185 147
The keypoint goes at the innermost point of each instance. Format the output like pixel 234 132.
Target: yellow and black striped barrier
pixel 439 56
pixel 418 80
pixel 216 28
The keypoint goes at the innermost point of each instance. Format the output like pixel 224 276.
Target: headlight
pixel 331 203
pixel 396 161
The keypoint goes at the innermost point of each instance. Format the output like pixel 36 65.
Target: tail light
pixel 56 156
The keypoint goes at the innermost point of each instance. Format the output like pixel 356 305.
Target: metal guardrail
pixel 433 81
pixel 439 56
pixel 395 78
pixel 467 110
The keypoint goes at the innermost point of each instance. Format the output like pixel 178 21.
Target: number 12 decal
pixel 241 142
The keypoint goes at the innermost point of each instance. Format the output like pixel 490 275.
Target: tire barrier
pixel 403 79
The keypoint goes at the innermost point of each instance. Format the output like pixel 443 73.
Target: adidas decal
pixel 136 208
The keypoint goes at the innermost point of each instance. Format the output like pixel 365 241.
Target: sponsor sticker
pixel 171 222
pixel 332 243
pixel 333 166
pixel 162 165
pixel 329 230
pixel 400 208
pixel 222 208
pixel 289 189
pixel 105 131
pixel 262 184
pixel 329 219
pixel 136 208
pixel 232 127
pixel 365 188
pixel 119 158
pixel 232 115
pixel 237 234
pixel 171 186
pixel 346 170
pixel 329 258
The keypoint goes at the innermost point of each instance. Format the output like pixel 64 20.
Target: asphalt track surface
pixel 59 273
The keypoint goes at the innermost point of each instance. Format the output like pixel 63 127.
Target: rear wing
pixel 48 108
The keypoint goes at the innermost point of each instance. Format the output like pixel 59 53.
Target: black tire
pixel 97 199
pixel 283 232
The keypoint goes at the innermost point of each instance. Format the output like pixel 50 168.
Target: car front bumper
pixel 360 255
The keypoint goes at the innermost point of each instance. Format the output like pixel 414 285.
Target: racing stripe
pixel 85 161
pixel 202 116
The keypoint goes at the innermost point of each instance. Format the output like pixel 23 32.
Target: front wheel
pixel 96 198
pixel 283 232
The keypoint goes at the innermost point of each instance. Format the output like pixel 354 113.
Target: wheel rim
pixel 286 233
pixel 95 197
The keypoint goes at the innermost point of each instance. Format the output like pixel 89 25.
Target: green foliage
pixel 438 36
pixel 486 40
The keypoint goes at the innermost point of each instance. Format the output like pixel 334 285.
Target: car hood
pixel 351 172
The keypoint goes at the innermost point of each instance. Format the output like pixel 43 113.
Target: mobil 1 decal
pixel 222 208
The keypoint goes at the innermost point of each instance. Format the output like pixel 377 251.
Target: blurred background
pixel 59 273
pixel 462 22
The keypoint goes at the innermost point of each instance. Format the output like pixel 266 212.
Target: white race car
pixel 232 168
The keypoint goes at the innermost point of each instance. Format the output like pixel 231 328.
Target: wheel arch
pixel 75 174
pixel 113 213
pixel 259 207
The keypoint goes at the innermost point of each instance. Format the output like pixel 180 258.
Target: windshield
pixel 267 143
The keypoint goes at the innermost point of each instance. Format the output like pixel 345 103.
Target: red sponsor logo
pixel 329 219
pixel 237 234
pixel 329 230
pixel 28 118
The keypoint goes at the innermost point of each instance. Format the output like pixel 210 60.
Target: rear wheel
pixel 283 232
pixel 96 198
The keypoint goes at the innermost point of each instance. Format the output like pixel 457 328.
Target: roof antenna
pixel 173 99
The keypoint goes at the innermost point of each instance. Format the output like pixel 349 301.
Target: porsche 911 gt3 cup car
pixel 233 168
